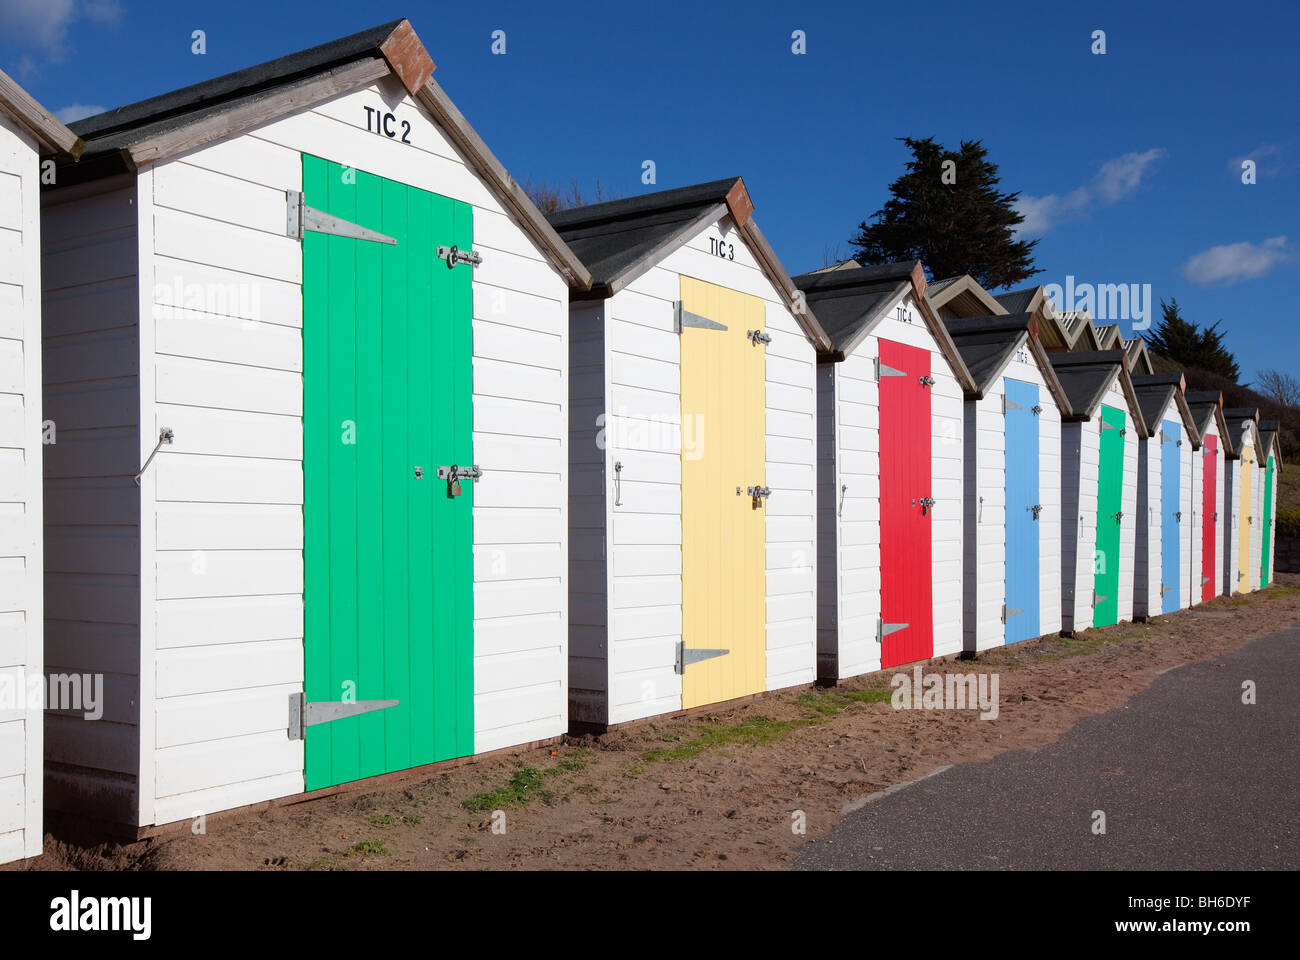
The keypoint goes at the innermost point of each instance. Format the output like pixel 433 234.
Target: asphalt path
pixel 1187 776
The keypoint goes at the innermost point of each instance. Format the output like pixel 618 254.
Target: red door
pixel 1209 517
pixel 907 610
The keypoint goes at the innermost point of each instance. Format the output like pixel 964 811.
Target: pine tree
pixel 950 216
pixel 1190 345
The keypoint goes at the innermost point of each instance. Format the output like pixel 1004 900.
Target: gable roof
pixel 1154 391
pixel 1108 336
pixel 1048 324
pixel 1139 360
pixel 1207 406
pixel 988 343
pixel 852 302
pixel 124 139
pixel 619 240
pixel 963 296
pixel 1272 447
pixel 1236 419
pixel 1087 375
pixel 52 136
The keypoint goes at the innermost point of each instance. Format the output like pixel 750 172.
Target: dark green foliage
pixel 966 225
pixel 1190 345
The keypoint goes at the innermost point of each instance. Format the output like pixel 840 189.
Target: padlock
pixel 453 486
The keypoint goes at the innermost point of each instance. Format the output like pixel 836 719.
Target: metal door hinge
pixel 686 656
pixel 1164 589
pixel 1204 580
pixel 1008 614
pixel 301 219
pixel 885 629
pixel 454 255
pixel 885 370
pixel 304 714
pixel 758 336
pixel 1009 404
pixel 1096 599
pixel 684 318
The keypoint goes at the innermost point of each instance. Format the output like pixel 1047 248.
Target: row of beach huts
pixel 326 455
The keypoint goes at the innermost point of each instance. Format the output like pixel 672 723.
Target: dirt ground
pixel 715 790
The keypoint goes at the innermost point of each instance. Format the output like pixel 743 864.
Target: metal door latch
pixel 455 474
pixel 454 255
pixel 758 336
pixel 618 483
pixel 419 473
pixel 304 714
pixel 685 656
pixel 927 504
pixel 165 435
pixel 1119 516
pixel 1178 515
pixel 1216 517
pixel 926 381
pixel 758 494
pixel 1036 509
pixel 1037 408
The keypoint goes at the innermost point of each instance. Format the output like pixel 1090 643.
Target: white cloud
pixel 78 111
pixel 44 24
pixel 1267 157
pixel 1235 262
pixel 1117 179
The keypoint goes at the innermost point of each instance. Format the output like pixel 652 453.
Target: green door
pixel 1266 542
pixel 387 554
pixel 1110 488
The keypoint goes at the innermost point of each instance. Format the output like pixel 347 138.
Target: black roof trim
pixel 233 86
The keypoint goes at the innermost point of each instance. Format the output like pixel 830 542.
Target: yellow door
pixel 724 596
pixel 1243 534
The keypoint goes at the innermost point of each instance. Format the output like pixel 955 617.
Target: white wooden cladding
pixel 849 499
pixel 21 601
pixel 219 599
pixel 984 511
pixel 1080 463
pixel 626 616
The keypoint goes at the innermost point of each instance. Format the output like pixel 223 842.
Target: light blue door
pixel 1171 489
pixel 1023 508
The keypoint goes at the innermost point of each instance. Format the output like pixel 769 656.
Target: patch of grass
pixel 367 848
pixel 875 695
pixel 392 820
pixel 527 784
pixel 523 786
pixel 756 731
pixel 321 863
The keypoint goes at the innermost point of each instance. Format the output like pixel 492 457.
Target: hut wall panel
pixel 90 295
pixel 223 500
pixel 21 602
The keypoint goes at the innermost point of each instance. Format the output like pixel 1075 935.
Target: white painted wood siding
pixel 857 414
pixel 1128 502
pixel 226 499
pixel 1147 601
pixel 21 574
pixel 643 421
pixel 984 559
pixel 90 302
pixel 1080 463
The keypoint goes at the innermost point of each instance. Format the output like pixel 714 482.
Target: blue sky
pixel 1129 162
